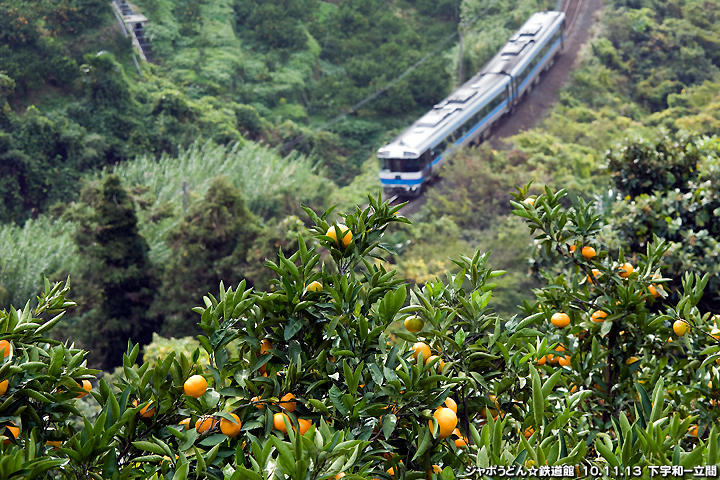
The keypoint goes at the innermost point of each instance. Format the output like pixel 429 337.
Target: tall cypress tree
pixel 118 277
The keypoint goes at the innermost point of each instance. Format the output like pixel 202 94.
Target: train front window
pixel 400 164
pixel 411 165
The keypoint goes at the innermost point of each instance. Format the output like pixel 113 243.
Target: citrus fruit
pixel 588 252
pixel 564 361
pixel 715 333
pixel 231 429
pixel 87 386
pixel 304 425
pixel 598 316
pixel 4 386
pixel 625 270
pixel 279 422
pixel 528 432
pixel 450 403
pixel 631 360
pixel 436 469
pixel 204 424
pixel 460 442
pixel 146 411
pixel 447 421
pixel 347 237
pixel 339 475
pixel 195 386
pixel 14 431
pixel 265 346
pixel 414 324
pixel 560 320
pixel 6 348
pixel 595 273
pixel 653 289
pixel 421 347
pixel 439 364
pixel 315 286
pixel 185 422
pixel 529 201
pixel 693 432
pixel 680 327
pixel 288 403
pixel 53 443
pixel 573 248
pixel 259 404
pixel 555 358
pixel 542 360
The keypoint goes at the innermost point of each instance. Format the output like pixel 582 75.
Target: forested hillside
pixel 621 131
pixel 553 304
pixel 244 76
pixel 232 80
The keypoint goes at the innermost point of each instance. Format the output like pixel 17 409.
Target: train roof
pixel 436 124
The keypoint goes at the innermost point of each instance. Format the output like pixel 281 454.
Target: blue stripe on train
pixel 394 181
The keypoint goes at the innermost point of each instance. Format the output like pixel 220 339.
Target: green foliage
pixel 667 188
pixel 41 248
pixel 210 244
pixel 118 275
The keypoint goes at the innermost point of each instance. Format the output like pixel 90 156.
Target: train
pixel 467 115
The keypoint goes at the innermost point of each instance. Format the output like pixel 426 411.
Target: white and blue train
pixel 468 114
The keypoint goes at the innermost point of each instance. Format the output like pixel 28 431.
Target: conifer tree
pixel 118 275
pixel 210 245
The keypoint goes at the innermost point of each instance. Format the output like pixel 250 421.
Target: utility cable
pixel 384 89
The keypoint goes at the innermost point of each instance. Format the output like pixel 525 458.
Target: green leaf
pixel 149 447
pixel 388 423
pixel 293 326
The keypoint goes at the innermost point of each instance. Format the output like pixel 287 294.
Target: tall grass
pixel 260 173
pixel 40 248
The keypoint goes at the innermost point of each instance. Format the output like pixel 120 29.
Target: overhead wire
pixel 384 89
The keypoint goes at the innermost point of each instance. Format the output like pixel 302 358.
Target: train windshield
pixel 400 164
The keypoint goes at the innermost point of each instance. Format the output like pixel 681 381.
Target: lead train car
pixel 415 155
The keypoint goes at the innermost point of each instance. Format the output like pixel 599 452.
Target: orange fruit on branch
pixel 414 324
pixel 204 424
pixel 6 348
pixel 625 270
pixel 195 386
pixel 231 429
pixel 598 316
pixel 447 421
pixel 265 346
pixel 288 402
pixel 588 252
pixel 13 430
pixel 4 386
pixel 595 273
pixel 451 404
pixel 87 386
pixel 304 425
pixel 680 327
pixel 185 422
pixel 560 320
pixel 421 347
pixel 314 287
pixel 279 422
pixel 346 237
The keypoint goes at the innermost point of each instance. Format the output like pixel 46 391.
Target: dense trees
pixel 118 279
pixel 211 244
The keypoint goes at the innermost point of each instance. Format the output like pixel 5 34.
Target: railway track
pixel 574 6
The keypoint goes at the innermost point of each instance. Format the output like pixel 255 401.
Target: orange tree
pixel 303 381
pixel 611 325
